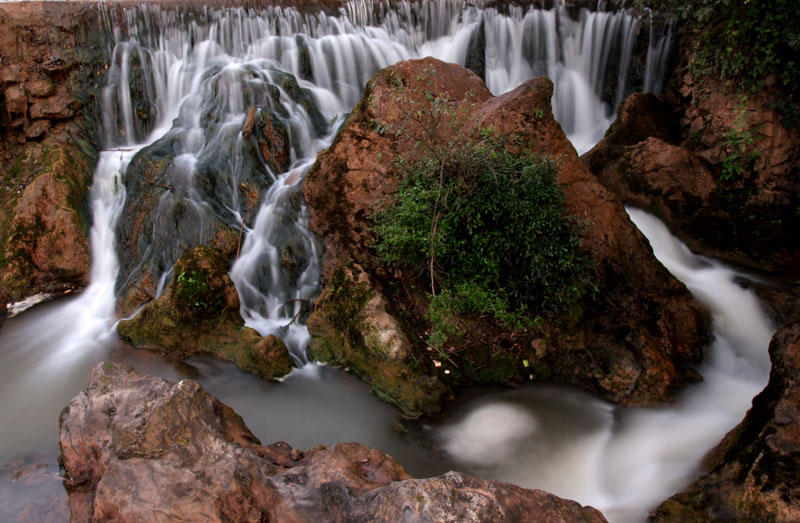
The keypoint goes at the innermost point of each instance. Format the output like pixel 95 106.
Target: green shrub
pixel 489 230
pixel 745 41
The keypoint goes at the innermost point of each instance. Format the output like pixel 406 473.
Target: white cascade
pixel 625 461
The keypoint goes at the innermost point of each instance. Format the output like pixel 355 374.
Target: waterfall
pixel 179 87
pixel 184 81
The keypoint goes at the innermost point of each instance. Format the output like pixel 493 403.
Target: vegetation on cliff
pixel 753 44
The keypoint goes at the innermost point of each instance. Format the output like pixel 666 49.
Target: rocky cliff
pixel 51 60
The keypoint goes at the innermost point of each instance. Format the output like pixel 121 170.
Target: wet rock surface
pixel 141 448
pixel 753 474
pixel 356 331
pixel 726 183
pixel 627 349
pixel 199 314
pixel 44 223
pixel 48 96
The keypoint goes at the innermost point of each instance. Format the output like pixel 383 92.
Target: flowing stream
pixel 196 75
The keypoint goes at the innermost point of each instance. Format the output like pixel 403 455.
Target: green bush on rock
pixel 490 230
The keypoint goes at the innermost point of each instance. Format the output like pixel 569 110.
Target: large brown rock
pixel 49 63
pixel 43 224
pixel 639 116
pixel 754 158
pixel 672 182
pixel 199 314
pixel 635 340
pixel 753 474
pixel 137 448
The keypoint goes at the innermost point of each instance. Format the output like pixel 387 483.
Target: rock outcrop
pixel 174 205
pixel 137 448
pixel 728 183
pixel 43 223
pixel 199 314
pixel 48 68
pixel 753 474
pixel 639 334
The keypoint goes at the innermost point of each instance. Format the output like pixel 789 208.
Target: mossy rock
pixel 352 328
pixel 199 314
pixel 43 219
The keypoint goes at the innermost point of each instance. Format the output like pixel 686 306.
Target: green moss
pixel 194 316
pixel 343 335
pixel 345 300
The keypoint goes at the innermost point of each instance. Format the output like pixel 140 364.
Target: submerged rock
pixel 633 343
pixel 199 314
pixel 137 448
pixel 753 474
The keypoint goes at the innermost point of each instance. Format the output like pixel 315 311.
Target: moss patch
pixel 199 314
pixel 351 328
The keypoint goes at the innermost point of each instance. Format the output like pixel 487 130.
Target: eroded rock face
pixel 753 474
pixel 199 313
pixel 635 340
pixel 44 224
pixel 639 116
pixel 743 205
pixel 137 448
pixel 354 329
pixel 47 92
pixel 669 181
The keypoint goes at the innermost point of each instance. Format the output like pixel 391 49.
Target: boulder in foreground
pixel 138 448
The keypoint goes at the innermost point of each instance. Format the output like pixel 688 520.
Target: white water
pixel 625 461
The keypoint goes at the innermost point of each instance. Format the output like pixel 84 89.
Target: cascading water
pixel 624 461
pixel 179 88
pixel 305 71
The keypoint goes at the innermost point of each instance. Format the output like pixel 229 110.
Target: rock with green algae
pixel 351 327
pixel 43 221
pixel 199 313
